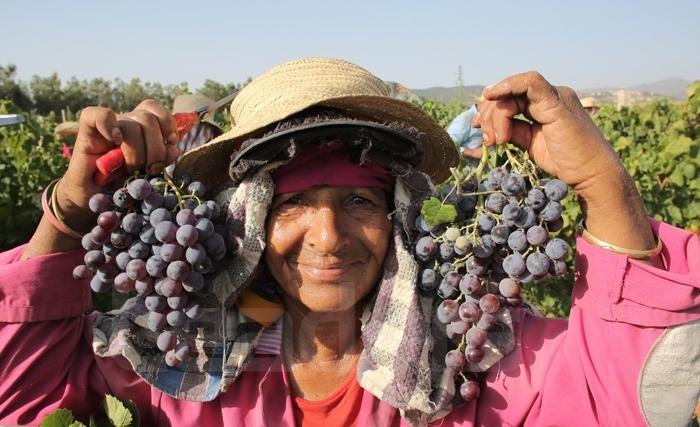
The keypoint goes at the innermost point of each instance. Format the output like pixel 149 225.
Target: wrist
pixel 77 217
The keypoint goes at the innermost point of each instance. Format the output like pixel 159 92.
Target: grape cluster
pixel 500 239
pixel 156 238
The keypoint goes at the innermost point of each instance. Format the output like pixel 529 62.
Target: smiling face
pixel 326 245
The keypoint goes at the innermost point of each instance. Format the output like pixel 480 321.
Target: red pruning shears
pixel 110 164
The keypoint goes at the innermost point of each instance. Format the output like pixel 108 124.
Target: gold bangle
pixel 632 253
pixel 53 206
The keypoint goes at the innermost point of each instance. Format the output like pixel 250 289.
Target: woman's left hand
pixel 563 140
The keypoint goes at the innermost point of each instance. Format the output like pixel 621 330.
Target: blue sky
pixel 419 43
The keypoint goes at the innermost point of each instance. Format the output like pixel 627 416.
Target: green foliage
pixel 113 413
pixel 435 212
pixel 30 158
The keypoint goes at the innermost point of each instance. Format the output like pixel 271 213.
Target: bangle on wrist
pixel 631 253
pixel 50 207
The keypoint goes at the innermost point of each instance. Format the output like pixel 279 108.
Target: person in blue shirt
pixel 467 138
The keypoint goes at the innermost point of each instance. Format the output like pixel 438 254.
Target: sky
pixel 582 44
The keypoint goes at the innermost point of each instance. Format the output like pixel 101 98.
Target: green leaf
pixel 622 143
pixel 59 418
pixel 117 412
pixel 436 212
pixel 77 424
pixel 677 178
pixel 679 146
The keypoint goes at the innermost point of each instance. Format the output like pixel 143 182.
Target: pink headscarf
pixel 331 166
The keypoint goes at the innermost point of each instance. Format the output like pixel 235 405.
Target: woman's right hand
pixel 147 137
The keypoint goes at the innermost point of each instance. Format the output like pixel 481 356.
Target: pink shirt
pixel 580 372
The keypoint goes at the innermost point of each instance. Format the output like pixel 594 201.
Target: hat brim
pixel 210 162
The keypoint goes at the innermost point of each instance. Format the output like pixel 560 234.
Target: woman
pixel 328 172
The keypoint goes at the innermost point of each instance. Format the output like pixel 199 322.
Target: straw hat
pixel 294 86
pixel 589 102
pixel 187 103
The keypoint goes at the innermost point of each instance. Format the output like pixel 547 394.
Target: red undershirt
pixel 338 409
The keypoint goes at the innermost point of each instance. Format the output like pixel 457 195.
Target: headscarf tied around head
pixel 330 165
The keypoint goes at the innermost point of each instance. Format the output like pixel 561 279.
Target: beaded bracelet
pixel 632 253
pixel 48 205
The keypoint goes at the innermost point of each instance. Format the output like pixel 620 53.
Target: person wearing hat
pixel 590 105
pixel 319 318
pixel 205 130
pixel 468 138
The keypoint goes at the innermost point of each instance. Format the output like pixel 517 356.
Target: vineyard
pixel 657 142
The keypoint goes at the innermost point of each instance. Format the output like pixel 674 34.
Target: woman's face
pixel 326 245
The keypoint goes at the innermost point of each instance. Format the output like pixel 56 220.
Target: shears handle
pixel 111 164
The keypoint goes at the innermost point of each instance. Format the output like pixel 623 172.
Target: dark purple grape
pixel 140 250
pixel 556 190
pixel 110 251
pixel 216 247
pixel 120 239
pixel 474 355
pixel 489 303
pixel 122 199
pixel 166 341
pixel 185 216
pixel 448 285
pixel 139 189
pixel 159 215
pixel 459 326
pixel 476 266
pixel 152 202
pixel 514 265
pixel 88 244
pixel 536 235
pixel 511 211
pixel 484 247
pixel 204 267
pixel 136 269
pixel 205 228
pixel 537 263
pixel 447 311
pixel 428 281
pixel 555 225
pixel 467 203
pixel 172 252
pixel 556 248
pixel 98 285
pixel 535 199
pixel 156 320
pixel 496 202
pixel 513 184
pixel 469 391
pixel 169 201
pixel 469 311
pixel 195 254
pixel 170 288
pixel 517 241
pixel 526 219
pixel 202 211
pixel 81 272
pixel 557 267
pixel 165 231
pixel 99 203
pixel 446 251
pixel 476 338
pixel 497 175
pixel 99 235
pixel 148 235
pixel 509 288
pixel 132 223
pixel 94 259
pixel 155 266
pixel 108 220
pixel 486 321
pixel 190 203
pixel 470 284
pixel 551 212
pixel 486 222
pixel 454 359
pixel 500 233
pixel 214 209
pixel 144 286
pixel 426 248
pixel 178 270
pixel 177 302
pixel 196 188
pixel 187 235
pixel 123 283
pixel 176 318
pixel 193 310
pixel 155 303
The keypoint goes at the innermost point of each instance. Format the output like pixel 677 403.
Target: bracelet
pixel 632 253
pixel 48 205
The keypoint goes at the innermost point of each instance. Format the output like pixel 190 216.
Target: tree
pixel 11 90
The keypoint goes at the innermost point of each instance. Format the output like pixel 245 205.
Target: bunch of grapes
pixel 499 239
pixel 156 239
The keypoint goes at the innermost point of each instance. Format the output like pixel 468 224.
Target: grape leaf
pixel 117 412
pixel 60 418
pixel 436 212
